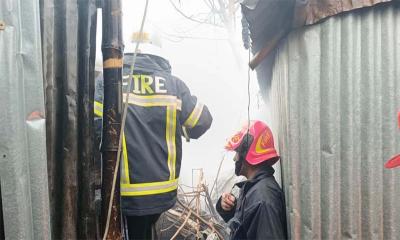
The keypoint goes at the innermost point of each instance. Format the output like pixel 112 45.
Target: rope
pixel 123 126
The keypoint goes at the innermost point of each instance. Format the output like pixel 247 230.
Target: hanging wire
pixel 248 100
pixel 245 33
pixel 248 91
pixel 123 125
pixel 218 172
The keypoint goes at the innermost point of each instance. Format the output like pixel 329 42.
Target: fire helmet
pixel 150 43
pixel 394 161
pixel 255 141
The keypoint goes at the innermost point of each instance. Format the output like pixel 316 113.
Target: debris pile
pixel 193 217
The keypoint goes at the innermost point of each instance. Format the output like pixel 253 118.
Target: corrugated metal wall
pixel 23 166
pixel 67 32
pixel 335 93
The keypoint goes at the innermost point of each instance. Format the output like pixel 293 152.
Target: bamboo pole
pixel 112 48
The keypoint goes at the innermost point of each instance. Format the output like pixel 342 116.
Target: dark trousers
pixel 142 227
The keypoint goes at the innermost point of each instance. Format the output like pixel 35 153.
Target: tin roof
pixel 269 21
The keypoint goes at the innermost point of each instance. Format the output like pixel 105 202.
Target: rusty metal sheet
pixel 311 11
pixel 271 20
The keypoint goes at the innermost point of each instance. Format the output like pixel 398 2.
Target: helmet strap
pixel 239 165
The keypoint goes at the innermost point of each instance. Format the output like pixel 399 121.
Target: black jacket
pixel 160 105
pixel 259 212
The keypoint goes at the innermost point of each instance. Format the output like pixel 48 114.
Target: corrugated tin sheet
pixel 335 92
pixel 23 165
pixel 69 40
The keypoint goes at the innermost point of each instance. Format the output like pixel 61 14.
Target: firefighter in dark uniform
pixel 259 210
pixel 160 108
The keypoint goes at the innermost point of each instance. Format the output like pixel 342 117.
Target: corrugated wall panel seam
pixel 335 93
pixel 388 36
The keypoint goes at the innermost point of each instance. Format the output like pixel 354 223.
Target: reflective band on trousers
pixel 194 116
pixel 141 189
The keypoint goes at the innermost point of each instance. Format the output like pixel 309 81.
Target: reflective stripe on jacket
pixel 159 106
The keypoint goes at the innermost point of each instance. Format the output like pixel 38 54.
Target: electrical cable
pixel 123 125
pixel 249 98
pixel 218 172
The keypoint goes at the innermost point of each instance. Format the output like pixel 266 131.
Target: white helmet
pixel 150 43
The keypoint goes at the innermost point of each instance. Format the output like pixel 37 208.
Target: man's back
pixel 160 105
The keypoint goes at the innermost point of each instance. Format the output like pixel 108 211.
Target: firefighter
pixel 161 110
pixel 259 210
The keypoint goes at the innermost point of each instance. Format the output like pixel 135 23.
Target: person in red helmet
pixel 259 210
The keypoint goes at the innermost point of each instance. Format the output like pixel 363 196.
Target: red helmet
pixel 261 143
pixel 395 161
